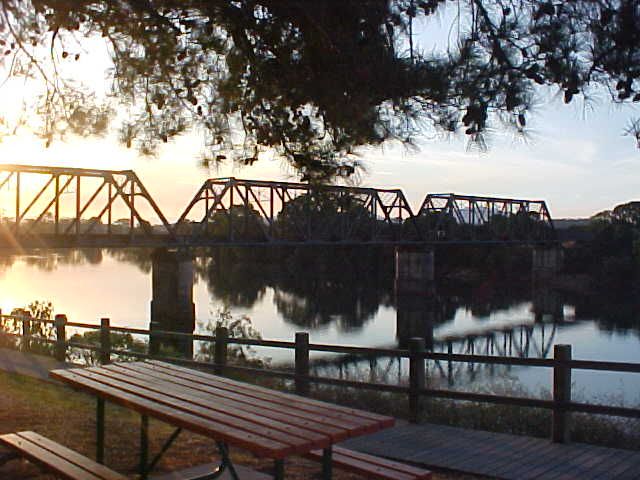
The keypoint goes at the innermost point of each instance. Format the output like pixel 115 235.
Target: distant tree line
pixel 611 255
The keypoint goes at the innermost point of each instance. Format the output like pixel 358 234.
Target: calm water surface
pixel 356 308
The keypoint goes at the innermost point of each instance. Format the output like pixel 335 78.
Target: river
pixel 347 299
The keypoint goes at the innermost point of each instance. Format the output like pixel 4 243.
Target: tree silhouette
pixel 316 79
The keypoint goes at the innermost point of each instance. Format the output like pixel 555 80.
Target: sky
pixel 574 157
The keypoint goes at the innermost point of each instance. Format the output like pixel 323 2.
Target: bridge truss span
pixel 52 207
pixel 231 210
pixel 55 207
pixel 452 217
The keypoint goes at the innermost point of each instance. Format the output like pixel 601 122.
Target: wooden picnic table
pixel 266 422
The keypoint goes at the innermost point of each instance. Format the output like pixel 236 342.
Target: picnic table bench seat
pixel 372 466
pixel 57 459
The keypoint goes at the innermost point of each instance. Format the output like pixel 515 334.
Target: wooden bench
pixel 57 459
pixel 371 466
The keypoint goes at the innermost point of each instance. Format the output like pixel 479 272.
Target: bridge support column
pixel 414 271
pixel 547 262
pixel 416 316
pixel 416 303
pixel 172 307
pixel 546 304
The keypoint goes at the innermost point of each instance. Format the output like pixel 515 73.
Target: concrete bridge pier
pixel 546 304
pixel 172 307
pixel 414 271
pixel 416 317
pixel 416 303
pixel 546 263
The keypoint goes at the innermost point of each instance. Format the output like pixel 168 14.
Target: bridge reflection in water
pixel 531 339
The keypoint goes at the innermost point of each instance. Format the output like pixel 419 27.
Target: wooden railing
pixel 560 404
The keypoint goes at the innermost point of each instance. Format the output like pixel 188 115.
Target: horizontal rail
pixel 600 365
pixel 562 365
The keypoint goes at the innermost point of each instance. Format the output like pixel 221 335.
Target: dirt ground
pixel 68 417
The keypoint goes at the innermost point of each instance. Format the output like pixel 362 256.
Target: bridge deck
pixel 497 455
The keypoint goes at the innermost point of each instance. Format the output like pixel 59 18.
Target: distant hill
pixel 564 223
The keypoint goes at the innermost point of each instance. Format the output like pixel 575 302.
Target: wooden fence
pixel 560 404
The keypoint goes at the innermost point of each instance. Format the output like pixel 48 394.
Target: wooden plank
pixel 366 469
pixel 521 458
pixel 621 462
pixel 298 444
pixel 458 453
pixel 230 409
pixel 257 444
pixel 342 414
pixel 46 459
pixel 588 459
pixel 418 473
pixel 542 456
pixel 290 405
pixel 487 452
pixel 539 452
pixel 324 425
pixel 383 420
pixel 72 456
pixel 561 462
pixel 632 470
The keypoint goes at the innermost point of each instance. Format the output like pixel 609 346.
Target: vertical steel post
pixel 417 376
pixel 109 215
pixel 449 363
pixel 327 463
pixel 17 224
pixel 131 203
pixel 78 205
pixel 56 215
pixel 271 211
pixel 561 421
pixel 144 446
pixel 278 469
pixel 302 363
pixel 230 225
pixel 100 430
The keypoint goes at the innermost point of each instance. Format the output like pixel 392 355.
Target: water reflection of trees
pixel 312 286
pixel 345 286
pixel 51 260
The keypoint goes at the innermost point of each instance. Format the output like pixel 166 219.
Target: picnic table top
pixel 266 422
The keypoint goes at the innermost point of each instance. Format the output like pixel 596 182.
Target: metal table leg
pixel 144 446
pixel 100 430
pixel 327 463
pixel 278 473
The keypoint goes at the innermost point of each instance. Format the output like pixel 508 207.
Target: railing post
pixel 105 341
pixel 61 337
pixel 220 356
pixel 561 422
pixel 302 363
pixel 26 330
pixel 417 376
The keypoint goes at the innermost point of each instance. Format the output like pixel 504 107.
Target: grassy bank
pixel 68 417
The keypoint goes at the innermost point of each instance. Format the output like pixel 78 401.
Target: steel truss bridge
pixel 58 207
pixel 525 340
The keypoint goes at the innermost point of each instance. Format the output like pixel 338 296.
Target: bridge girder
pixel 58 207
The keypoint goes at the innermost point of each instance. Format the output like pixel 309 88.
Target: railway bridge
pixel 44 208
